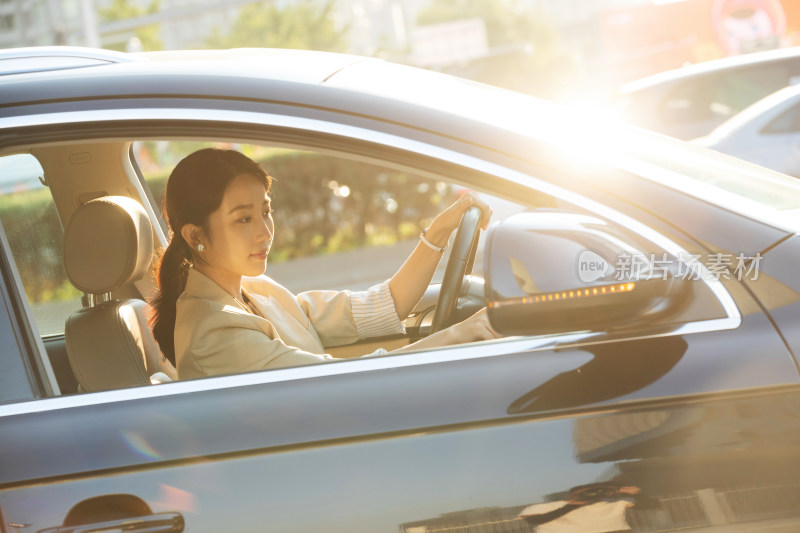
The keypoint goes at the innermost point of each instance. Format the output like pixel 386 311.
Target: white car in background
pixel 766 133
pixel 691 101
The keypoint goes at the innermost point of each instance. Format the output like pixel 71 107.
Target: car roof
pixel 359 86
pixel 49 58
pixel 392 98
pixel 713 66
pixel 341 83
pixel 289 65
pixel 306 66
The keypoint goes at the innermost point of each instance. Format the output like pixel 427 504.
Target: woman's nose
pixel 267 228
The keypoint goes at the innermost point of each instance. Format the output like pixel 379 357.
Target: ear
pixel 192 235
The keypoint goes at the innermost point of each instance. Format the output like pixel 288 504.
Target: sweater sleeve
pixel 374 312
pixel 342 317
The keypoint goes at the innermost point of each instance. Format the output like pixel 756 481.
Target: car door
pixel 466 436
pixel 654 430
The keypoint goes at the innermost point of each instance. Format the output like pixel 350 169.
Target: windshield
pixel 740 186
pixel 736 185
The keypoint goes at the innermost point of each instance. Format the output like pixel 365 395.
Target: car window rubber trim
pixel 34 357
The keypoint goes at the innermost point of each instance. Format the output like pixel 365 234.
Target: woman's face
pixel 240 231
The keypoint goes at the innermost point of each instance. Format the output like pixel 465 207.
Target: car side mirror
pixel 553 271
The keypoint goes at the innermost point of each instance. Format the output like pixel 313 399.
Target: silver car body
pixel 691 101
pixel 766 133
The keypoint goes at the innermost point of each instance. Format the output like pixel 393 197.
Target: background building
pixel 46 22
pixel 538 46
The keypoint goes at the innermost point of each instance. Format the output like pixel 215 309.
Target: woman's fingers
pixel 475 328
pixel 482 327
pixel 447 221
pixel 471 198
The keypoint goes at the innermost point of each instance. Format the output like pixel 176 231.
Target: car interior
pixel 108 244
pixel 95 331
pixel 84 224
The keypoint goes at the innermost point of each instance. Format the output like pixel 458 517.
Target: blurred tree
pixel 148 35
pixel 506 23
pixel 324 204
pixel 526 52
pixel 305 25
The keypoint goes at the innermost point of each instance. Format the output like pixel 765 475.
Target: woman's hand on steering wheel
pixel 474 328
pixel 447 221
pixel 469 213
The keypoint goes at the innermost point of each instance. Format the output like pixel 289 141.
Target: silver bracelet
pixel 429 244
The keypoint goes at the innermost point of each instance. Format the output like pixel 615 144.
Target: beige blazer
pixel 215 335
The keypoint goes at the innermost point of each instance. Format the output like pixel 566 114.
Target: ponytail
pixel 172 271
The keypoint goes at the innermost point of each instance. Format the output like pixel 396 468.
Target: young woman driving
pixel 217 314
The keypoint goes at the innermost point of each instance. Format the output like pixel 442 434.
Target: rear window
pixel 787 122
pixel 724 94
pixel 35 236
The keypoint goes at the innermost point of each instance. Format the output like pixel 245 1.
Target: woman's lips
pixel 261 255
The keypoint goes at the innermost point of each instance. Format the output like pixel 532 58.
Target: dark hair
pixel 194 191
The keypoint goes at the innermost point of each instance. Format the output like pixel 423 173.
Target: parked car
pixel 766 133
pixel 646 289
pixel 690 101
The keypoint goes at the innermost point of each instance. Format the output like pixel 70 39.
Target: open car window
pixel 348 223
pixel 339 223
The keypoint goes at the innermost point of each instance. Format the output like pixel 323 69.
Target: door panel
pixel 705 463
pixel 703 426
pixel 388 395
pixel 778 290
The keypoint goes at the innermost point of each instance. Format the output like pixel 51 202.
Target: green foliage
pixel 382 207
pixel 310 218
pixel 322 205
pixel 527 54
pixel 27 200
pixel 127 9
pixel 63 292
pixel 506 22
pixel 305 25
pixel 34 232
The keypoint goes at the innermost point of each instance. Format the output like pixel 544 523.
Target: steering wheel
pixel 459 265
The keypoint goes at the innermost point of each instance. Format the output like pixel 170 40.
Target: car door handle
pixel 156 523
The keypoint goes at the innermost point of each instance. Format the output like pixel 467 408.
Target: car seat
pixel 108 243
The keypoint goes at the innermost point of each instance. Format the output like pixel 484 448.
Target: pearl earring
pixel 200 248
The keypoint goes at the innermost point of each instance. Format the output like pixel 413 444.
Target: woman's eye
pixel 244 220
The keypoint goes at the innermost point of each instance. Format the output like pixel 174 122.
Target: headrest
pixel 108 243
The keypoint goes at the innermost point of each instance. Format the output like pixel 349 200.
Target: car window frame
pixel 371 145
pixel 148 194
pixel 330 158
pixel 31 351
